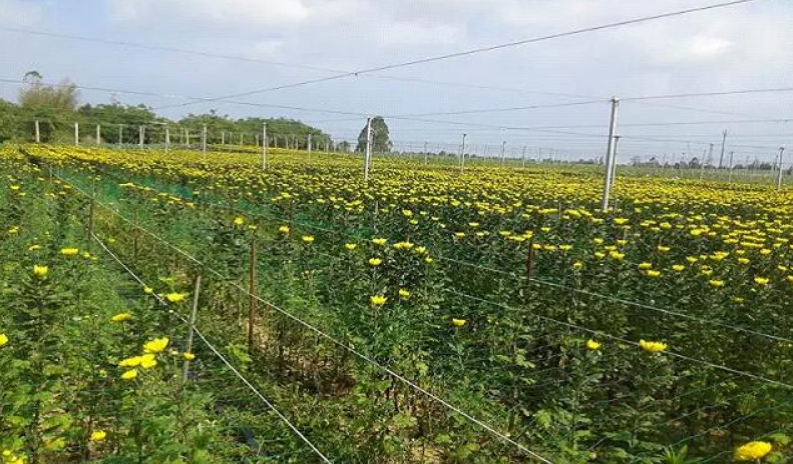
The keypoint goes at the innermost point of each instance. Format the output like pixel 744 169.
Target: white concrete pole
pixel 462 154
pixel 604 203
pixel 780 169
pixel 264 146
pixel 368 155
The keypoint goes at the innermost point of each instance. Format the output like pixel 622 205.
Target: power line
pixel 172 49
pixel 479 50
pixel 708 94
pixel 501 110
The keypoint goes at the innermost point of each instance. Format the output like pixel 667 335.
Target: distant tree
pixel 60 97
pixel 114 115
pixel 343 146
pixel 381 141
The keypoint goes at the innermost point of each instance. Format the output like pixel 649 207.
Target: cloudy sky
pixel 742 47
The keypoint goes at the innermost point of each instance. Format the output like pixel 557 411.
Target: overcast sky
pixel 742 47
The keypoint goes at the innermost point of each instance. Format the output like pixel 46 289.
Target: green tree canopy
pixel 63 96
pixel 381 141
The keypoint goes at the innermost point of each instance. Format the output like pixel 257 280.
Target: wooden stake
pixel 530 261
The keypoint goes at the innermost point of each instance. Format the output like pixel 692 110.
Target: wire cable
pixel 491 48
pixel 320 332
pixel 217 354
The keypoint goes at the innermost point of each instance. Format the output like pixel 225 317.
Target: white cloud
pixel 267 49
pixel 211 12
pixel 18 13
pixel 708 47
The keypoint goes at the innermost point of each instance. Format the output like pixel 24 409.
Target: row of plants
pixel 376 266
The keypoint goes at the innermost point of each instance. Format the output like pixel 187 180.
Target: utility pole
pixel 38 131
pixel 610 149
pixel 98 134
pixel 309 145
pixel 77 134
pixel 120 134
pixel 729 176
pixel 779 171
pixel 462 154
pixel 264 146
pixel 723 144
pixel 426 153
pixel 141 135
pixel 523 157
pixel 368 153
pixel 702 163
pixel 167 139
pixel 503 147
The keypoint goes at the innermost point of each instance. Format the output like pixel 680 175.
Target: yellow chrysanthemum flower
pixel 121 317
pixel 308 239
pixel 459 322
pixel 188 356
pixel 130 374
pixel 753 451
pixel 653 347
pixel 157 345
pixel 592 345
pixel 68 252
pixel 40 271
pixel 175 297
pixel 3 339
pixel 374 262
pixel 98 436
pixel 147 361
pixel 378 300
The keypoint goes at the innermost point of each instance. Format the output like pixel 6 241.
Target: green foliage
pixel 381 141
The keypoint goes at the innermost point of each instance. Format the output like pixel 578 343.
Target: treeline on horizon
pixel 57 108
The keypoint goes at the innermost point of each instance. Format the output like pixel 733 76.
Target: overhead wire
pixel 490 48
pixel 217 353
pixel 320 333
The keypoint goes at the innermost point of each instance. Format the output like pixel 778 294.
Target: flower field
pixel 185 308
